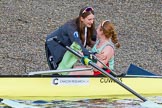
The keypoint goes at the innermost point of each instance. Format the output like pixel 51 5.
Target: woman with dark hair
pixel 80 30
pixel 106 43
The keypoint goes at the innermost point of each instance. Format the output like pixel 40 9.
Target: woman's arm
pixel 105 56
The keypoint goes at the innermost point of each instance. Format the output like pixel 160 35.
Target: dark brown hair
pixel 80 27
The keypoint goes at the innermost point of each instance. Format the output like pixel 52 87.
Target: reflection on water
pixel 88 103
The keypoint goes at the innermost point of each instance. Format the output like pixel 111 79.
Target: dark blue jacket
pixel 65 34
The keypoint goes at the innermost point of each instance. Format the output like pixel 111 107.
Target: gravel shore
pixel 24 25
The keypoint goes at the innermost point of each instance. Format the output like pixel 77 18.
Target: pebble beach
pixel 24 25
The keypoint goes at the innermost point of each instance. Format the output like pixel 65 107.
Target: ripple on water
pixel 88 103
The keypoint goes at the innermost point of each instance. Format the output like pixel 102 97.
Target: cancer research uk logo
pixel 70 81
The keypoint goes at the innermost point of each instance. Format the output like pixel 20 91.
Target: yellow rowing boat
pixel 64 87
pixel 40 86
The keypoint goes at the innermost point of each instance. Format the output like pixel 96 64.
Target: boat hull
pixel 72 87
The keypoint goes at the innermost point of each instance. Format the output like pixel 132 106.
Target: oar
pixel 59 71
pixel 15 104
pixel 87 61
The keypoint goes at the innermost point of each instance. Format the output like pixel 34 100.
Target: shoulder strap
pixel 107 44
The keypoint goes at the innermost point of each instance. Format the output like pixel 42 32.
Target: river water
pixel 88 103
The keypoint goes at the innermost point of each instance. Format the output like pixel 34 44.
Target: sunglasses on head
pixel 87 9
pixel 103 22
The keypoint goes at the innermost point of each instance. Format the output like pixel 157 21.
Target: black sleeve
pixel 69 30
